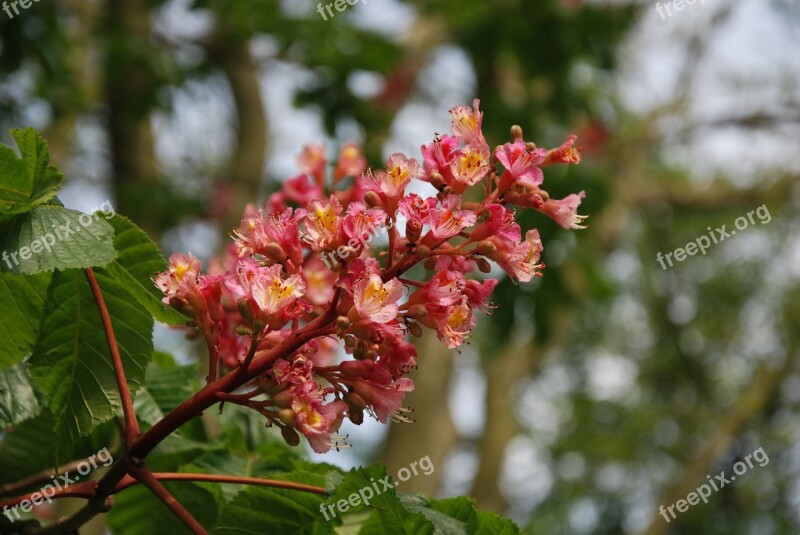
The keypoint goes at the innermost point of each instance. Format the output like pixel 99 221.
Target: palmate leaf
pixel 52 237
pixel 22 301
pixel 139 260
pixel 28 181
pixel 71 362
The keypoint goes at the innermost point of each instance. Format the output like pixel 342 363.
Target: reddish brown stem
pixel 128 481
pixel 392 237
pixel 77 490
pixel 154 485
pixel 132 431
pixel 213 359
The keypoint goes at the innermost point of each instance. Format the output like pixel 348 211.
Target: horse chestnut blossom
pixel 328 340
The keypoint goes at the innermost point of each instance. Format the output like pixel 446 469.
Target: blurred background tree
pixel 586 400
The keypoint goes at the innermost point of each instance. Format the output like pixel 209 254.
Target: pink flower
pixel 523 262
pixel 412 206
pixel 375 300
pixel 360 225
pixel 437 157
pixel 272 294
pixel 181 276
pixel 500 224
pixel 448 220
pixel 467 122
pixel 301 190
pixel 319 281
pixel 520 164
pixel 566 153
pixel 478 293
pixel 565 211
pixel 273 235
pixel 469 166
pixel 322 222
pixel 318 422
pixel 351 162
pixel 444 289
pixel 390 185
pixel 312 161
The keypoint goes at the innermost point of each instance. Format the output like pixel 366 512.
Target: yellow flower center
pixel 280 290
pixel 180 271
pixel 397 175
pixel 375 292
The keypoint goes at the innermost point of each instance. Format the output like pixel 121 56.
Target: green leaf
pixel 23 301
pixel 23 452
pixel 139 259
pixel 486 523
pixel 44 178
pixel 71 362
pixel 259 510
pixel 367 483
pixel 30 181
pixel 442 522
pixel 19 399
pixel 52 237
pixel 164 389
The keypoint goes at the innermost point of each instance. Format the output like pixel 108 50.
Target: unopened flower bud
pixel 413 230
pixel 417 311
pixel 483 265
pixel 415 329
pixel 290 436
pixel 275 252
pixel 246 309
pixel 423 251
pixel 243 330
pixel 342 322
pixel 357 417
pixel 372 199
pixel 181 305
pixel 486 247
pixel 516 132
pixel 350 341
pixel 283 399
pixel 512 197
pixel 361 352
pixel 286 416
pixel 530 146
pixel 437 180
pixel 355 401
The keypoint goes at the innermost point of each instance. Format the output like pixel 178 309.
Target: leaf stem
pixel 132 430
pixel 146 478
pixel 128 481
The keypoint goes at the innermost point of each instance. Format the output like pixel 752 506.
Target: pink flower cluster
pixel 272 282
